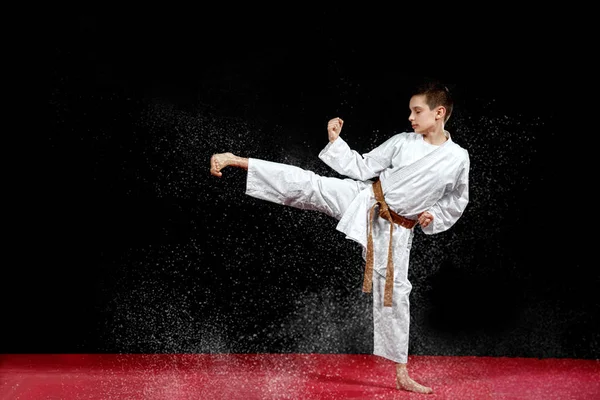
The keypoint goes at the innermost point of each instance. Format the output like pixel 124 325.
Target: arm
pixel 338 155
pixel 444 213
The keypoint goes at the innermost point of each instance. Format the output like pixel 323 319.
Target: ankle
pixel 240 162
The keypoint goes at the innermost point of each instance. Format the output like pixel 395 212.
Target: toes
pixel 214 170
pixel 214 166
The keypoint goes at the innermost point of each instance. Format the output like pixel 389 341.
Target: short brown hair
pixel 436 94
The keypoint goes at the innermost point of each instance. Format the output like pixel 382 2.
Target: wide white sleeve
pixel 452 205
pixel 342 159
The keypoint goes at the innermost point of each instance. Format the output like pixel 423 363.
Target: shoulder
pixel 460 155
pixel 404 137
pixel 395 140
pixel 457 148
pixel 401 135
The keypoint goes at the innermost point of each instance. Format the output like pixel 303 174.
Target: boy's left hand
pixel 425 218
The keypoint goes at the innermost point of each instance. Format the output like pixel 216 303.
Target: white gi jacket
pixel 415 177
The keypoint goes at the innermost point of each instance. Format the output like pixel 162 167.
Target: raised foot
pixel 220 161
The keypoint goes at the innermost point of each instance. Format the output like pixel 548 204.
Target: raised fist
pixel 334 128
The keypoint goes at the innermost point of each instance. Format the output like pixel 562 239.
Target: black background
pixel 126 243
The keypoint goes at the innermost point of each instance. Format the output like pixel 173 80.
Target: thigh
pixel 338 193
pixel 296 187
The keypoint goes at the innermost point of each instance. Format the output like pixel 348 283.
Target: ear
pixel 440 112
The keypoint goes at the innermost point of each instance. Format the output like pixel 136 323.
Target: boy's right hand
pixel 334 128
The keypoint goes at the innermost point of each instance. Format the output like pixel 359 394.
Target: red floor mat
pixel 289 376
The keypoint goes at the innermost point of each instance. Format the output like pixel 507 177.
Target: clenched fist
pixel 334 128
pixel 425 218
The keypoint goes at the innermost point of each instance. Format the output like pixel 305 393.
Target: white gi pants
pixel 296 187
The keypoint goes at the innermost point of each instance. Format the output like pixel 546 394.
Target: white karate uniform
pixel 415 177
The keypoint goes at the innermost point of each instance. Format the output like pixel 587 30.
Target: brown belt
pixel 394 218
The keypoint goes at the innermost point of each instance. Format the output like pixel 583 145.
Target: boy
pixel 419 177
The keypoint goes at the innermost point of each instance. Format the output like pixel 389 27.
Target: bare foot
pixel 220 161
pixel 405 382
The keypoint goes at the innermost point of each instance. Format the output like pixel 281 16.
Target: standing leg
pixel 391 331
pixel 391 324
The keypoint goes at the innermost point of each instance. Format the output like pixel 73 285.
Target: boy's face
pixel 422 118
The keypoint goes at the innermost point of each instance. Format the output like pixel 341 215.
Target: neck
pixel 436 137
